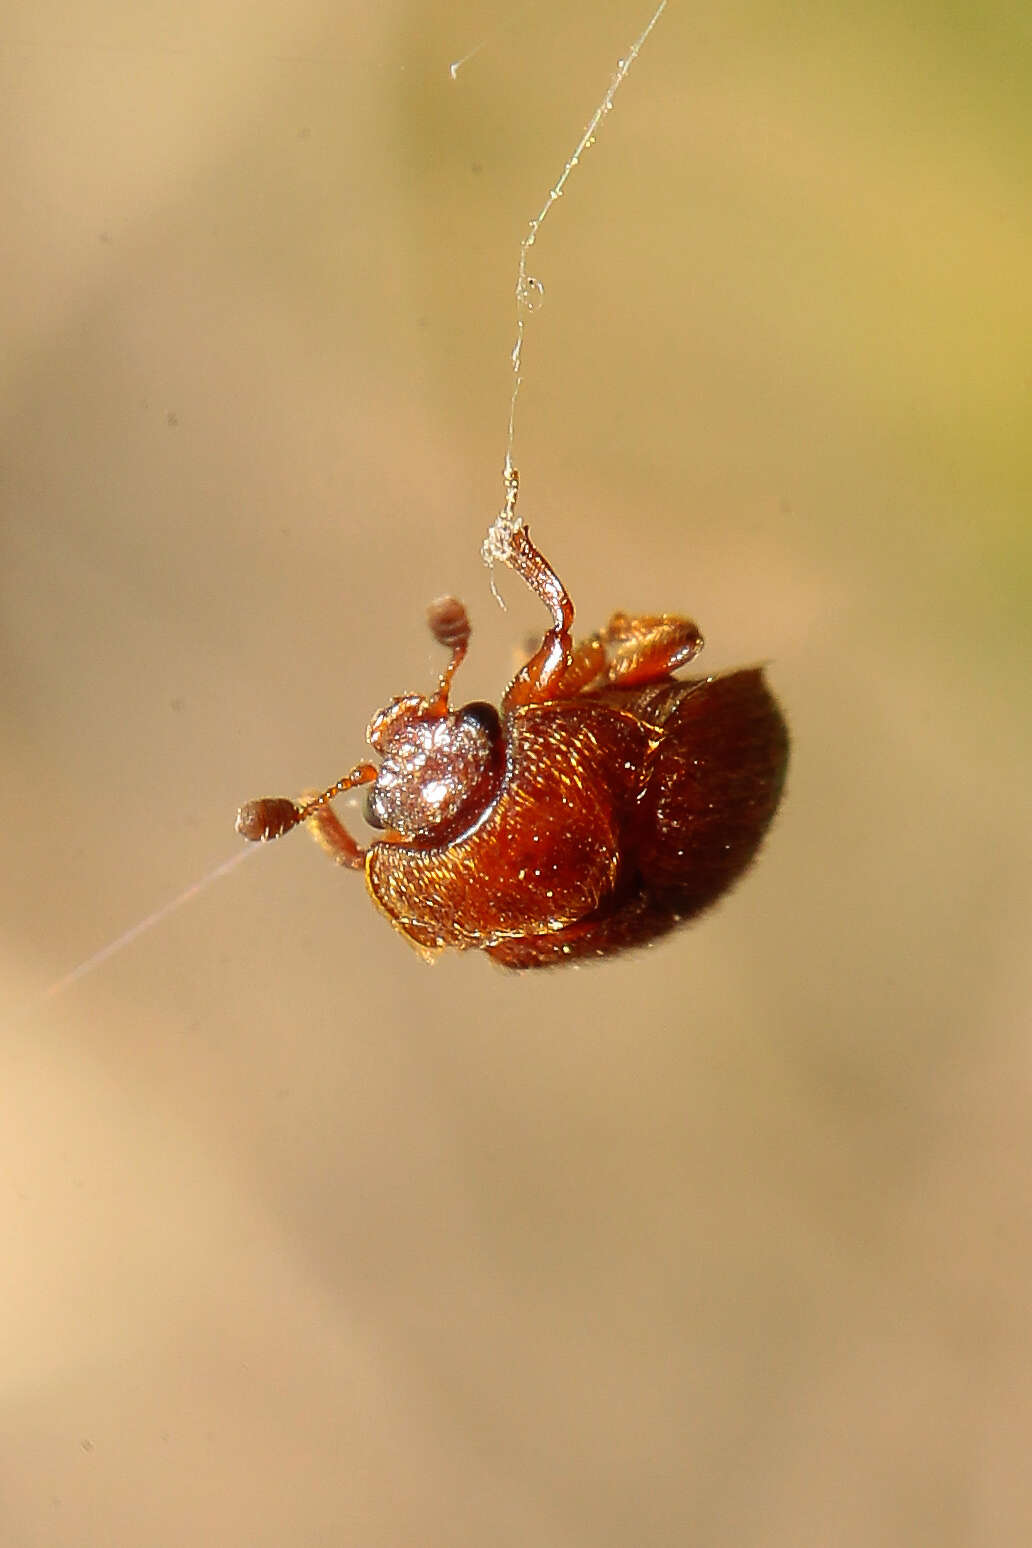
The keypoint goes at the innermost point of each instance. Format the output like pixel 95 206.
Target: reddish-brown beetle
pixel 603 804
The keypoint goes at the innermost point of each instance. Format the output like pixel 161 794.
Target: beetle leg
pixel 331 836
pixel 587 665
pixel 326 827
pixel 649 647
pixel 556 670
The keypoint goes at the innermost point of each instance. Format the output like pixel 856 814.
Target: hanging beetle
pixel 602 804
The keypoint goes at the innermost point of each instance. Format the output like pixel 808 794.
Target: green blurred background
pixel 725 1243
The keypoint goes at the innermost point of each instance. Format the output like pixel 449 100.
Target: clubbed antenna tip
pixel 258 821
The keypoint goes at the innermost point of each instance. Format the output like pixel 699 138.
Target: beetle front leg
pixel 334 839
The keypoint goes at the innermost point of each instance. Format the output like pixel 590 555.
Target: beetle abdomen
pixel 709 790
pixel 714 787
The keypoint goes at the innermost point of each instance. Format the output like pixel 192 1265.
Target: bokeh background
pixel 307 1243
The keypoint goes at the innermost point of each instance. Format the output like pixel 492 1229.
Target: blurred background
pixel 304 1242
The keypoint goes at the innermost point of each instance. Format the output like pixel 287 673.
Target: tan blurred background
pixel 304 1242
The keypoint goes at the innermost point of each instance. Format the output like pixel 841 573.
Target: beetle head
pixel 433 762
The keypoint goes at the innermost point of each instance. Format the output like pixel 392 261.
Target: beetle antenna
pixel 449 625
pixel 272 816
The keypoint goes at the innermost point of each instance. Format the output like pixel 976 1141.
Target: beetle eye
pixel 482 715
pixel 369 811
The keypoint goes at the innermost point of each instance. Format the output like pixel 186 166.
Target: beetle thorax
pixel 431 764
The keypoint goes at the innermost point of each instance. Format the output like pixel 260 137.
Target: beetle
pixel 602 804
